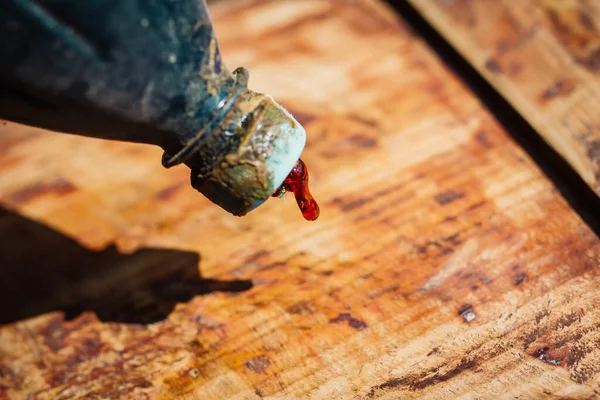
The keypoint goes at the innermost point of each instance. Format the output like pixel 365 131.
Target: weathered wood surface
pixel 544 57
pixel 444 263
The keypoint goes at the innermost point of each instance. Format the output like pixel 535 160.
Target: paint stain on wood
pixel 482 138
pixel 258 364
pixel 168 192
pixel 352 322
pixel 520 278
pixel 58 187
pixel 448 197
pixel 493 66
pixel 560 88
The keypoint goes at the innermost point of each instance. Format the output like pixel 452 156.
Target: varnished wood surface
pixel 444 263
pixel 543 56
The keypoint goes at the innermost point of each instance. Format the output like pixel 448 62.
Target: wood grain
pixel 543 56
pixel 444 263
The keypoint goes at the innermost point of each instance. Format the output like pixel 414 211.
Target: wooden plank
pixel 444 263
pixel 541 55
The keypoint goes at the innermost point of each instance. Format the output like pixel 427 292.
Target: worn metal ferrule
pixel 262 142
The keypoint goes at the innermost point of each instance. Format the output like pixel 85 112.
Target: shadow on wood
pixel 42 270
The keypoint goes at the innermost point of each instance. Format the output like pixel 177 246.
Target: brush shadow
pixel 42 270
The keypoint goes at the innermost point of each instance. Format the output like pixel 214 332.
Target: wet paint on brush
pixel 297 183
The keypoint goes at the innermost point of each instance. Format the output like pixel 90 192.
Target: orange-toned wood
pixel 544 57
pixel 444 263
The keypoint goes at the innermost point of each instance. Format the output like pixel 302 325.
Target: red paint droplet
pixel 297 183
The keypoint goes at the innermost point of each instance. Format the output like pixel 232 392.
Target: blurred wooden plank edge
pixel 581 148
pixel 576 191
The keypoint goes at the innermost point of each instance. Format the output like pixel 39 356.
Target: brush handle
pixel 151 72
pixel 137 71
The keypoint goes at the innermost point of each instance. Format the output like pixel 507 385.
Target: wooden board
pixel 444 263
pixel 544 57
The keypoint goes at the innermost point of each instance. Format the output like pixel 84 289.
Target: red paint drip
pixel 297 183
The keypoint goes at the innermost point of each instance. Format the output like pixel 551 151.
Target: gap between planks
pixel 569 183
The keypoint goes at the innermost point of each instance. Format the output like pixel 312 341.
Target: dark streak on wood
pixel 465 364
pixel 592 61
pixel 483 139
pixel 303 307
pixel 586 20
pixel 363 141
pixel 448 197
pixel 258 364
pixel 58 187
pixel 427 379
pixel 168 192
pixel 392 383
pixel 383 291
pixel 445 252
pixel 433 351
pixel 352 322
pixel 559 88
pixel 520 278
pixel 485 280
pixel 493 66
